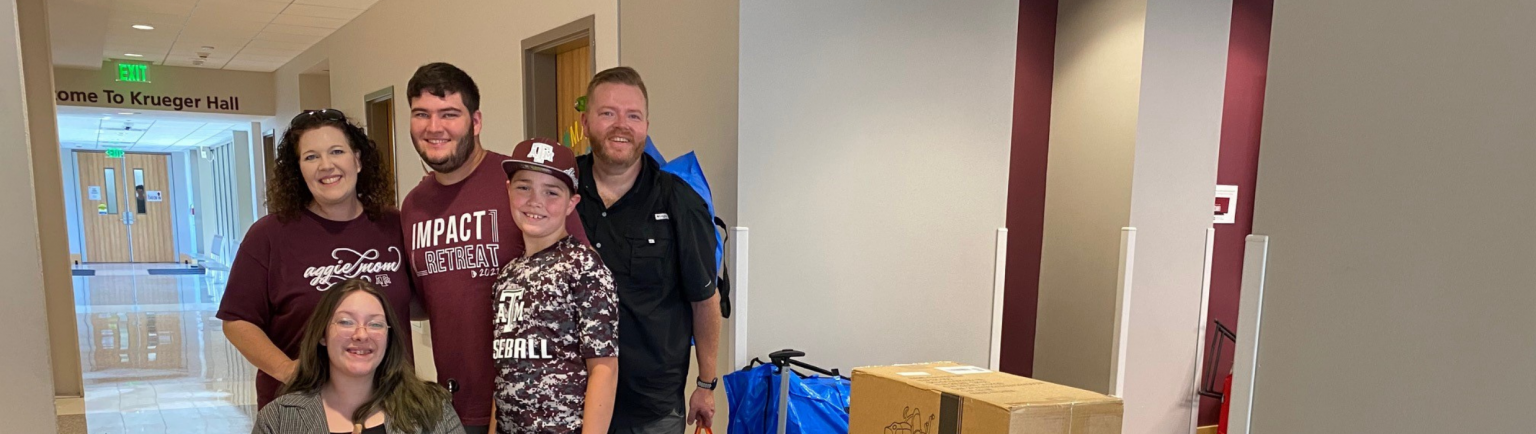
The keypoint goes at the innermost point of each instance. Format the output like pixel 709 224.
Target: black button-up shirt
pixel 659 242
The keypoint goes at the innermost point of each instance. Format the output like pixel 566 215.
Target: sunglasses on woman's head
pixel 323 114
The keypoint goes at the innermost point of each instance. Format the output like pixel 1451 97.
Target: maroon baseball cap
pixel 546 156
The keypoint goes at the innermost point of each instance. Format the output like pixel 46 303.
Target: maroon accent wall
pixel 1241 121
pixel 1034 66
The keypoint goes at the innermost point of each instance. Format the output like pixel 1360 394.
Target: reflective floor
pixel 154 357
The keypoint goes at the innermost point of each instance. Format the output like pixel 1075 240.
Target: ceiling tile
pixel 221 46
pixel 322 12
pixel 117 38
pixel 278 45
pixel 257 35
pixel 216 16
pixel 298 30
pixel 283 37
pixel 259 6
pixel 187 62
pixel 148 57
pixel 68 121
pixel 265 60
pixel 267 52
pixel 297 20
pixel 207 135
pixel 347 4
pixel 173 7
pixel 77 135
pixel 121 124
pixel 146 50
pixel 236 65
pixel 125 20
pixel 245 56
pixel 232 31
pixel 178 125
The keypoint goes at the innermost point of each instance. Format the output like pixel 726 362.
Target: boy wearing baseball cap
pixel 557 319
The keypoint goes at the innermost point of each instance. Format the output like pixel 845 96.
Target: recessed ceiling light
pixel 133 55
pixel 143 27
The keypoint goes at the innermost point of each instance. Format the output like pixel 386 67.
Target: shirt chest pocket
pixel 650 253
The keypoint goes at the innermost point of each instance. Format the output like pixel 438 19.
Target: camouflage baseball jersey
pixel 554 310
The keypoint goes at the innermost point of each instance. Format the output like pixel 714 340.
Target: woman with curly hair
pixel 354 375
pixel 331 218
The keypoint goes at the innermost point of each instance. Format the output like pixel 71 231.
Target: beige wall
pixel 687 52
pixel 1178 139
pixel 384 45
pixel 873 164
pixel 254 89
pixel 315 91
pixel 1135 133
pixel 1095 97
pixel 1395 186
pixel 27 404
pixel 48 180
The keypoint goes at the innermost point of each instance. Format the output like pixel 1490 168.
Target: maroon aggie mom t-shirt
pixel 283 268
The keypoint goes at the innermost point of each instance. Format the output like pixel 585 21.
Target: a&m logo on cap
pixel 542 153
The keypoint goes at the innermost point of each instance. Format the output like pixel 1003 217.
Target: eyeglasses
pixel 350 326
pixel 323 114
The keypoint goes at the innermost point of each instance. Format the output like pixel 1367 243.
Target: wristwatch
pixel 707 385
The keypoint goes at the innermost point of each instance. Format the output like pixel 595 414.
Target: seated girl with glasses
pixel 354 374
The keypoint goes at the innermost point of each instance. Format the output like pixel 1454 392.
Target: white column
pixel 245 182
pixel 27 404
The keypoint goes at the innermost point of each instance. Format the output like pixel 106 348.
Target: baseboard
pixel 68 405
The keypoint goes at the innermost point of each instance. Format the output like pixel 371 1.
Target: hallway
pixel 154 357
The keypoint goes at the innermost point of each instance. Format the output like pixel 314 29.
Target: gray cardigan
pixel 304 413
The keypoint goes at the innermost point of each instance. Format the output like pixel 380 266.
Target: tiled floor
pixel 154 357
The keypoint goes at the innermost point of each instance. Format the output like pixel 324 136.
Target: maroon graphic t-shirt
pixel 283 268
pixel 458 237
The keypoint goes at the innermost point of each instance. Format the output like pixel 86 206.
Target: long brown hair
pixel 411 404
pixel 288 195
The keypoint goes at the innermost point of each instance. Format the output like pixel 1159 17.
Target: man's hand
pixel 701 408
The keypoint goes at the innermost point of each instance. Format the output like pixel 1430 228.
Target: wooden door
pixel 102 204
pixel 150 202
pixel 380 121
pixel 573 70
pixel 269 146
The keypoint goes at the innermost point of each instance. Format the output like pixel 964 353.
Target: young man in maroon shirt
pixel 458 234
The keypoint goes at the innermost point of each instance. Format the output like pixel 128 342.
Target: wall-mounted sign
pixel 1226 204
pixel 153 195
pixel 101 208
pixel 114 153
pixel 137 86
pixel 95 192
pixel 160 102
pixel 133 72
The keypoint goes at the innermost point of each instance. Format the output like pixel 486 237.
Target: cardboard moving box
pixel 948 398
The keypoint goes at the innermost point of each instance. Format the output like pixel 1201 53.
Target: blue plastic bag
pixel 817 405
pixel 687 168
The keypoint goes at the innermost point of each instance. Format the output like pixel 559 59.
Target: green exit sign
pixel 133 72
pixel 114 153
